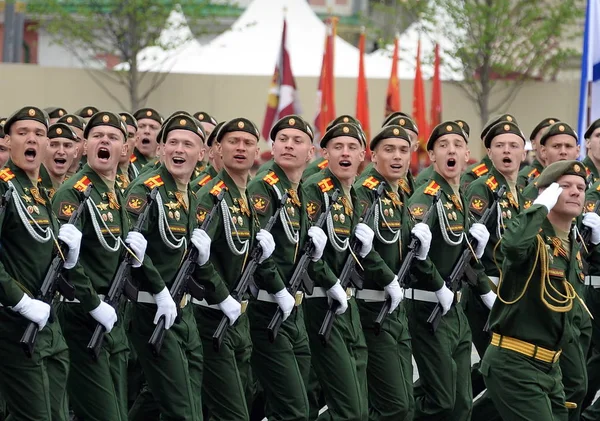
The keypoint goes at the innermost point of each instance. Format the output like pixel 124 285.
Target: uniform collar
pixel 446 188
pixel 587 161
pixel 96 180
pixel 141 158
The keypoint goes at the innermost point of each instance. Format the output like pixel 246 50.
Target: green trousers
pixel 227 386
pixel 522 388
pixel 174 377
pixel 135 375
pixel 389 367
pixel 34 389
pixel 282 367
pixel 341 365
pixel 444 362
pixel 97 389
pixel 591 412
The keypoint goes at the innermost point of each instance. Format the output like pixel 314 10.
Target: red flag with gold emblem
pixel 326 90
pixel 420 158
pixel 362 93
pixel 435 117
pixel 392 99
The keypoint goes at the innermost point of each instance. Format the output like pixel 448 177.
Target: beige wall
pixel 232 96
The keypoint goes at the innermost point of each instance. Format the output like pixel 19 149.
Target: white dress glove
pixel 137 243
pixel 445 298
pixel 267 244
pixel 71 236
pixel 423 233
pixel 285 301
pixel 231 308
pixel 592 220
pixel 365 235
pixel 34 310
pixel 549 197
pixel 337 293
pixel 319 239
pixel 106 315
pixel 396 293
pixel 489 299
pixel 482 235
pixel 201 241
pixel 165 306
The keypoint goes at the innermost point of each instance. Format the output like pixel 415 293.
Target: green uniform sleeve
pixel 519 240
pixel 84 289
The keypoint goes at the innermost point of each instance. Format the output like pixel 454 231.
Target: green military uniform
pixel 33 388
pixel 592 171
pixel 473 172
pixel 528 174
pixel 136 163
pixel 208 174
pixel 314 167
pixel 45 181
pixel 424 176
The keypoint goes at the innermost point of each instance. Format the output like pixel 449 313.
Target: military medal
pixel 177 215
pixel 391 212
pixel 104 217
pixel 336 217
pixel 36 196
pixel 112 201
pixel 456 202
pixel 170 215
pixel 110 217
pixel 504 214
pixel 512 200
pixel 30 209
pixel 180 200
pixel 386 201
pixel 386 212
pixel 293 195
pixel 448 205
pixel 395 199
pixel 26 198
pixel 509 214
pixel 342 218
pixel 243 206
pixel 347 207
pixel 240 220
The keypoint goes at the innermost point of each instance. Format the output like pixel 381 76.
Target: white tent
pixel 251 46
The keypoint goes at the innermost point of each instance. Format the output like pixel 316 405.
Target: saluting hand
pixel 549 197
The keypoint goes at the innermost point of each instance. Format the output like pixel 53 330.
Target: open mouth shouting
pixel 30 154
pixel 103 154
pixel 506 160
pixel 145 141
pixel 60 162
pixel 178 160
pixel 396 167
pixel 345 163
pixel 239 157
pixel 451 163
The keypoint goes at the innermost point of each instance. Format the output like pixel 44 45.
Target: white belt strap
pixel 494 279
pixel 204 303
pixel 372 295
pixel 420 295
pixel 76 301
pixel 145 297
pixel 320 292
pixel 593 281
pixel 264 296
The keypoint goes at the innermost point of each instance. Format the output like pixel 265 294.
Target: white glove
pixel 106 315
pixel 489 299
pixel 549 197
pixel 423 233
pixel 165 307
pixel 285 301
pixel 71 236
pixel 319 239
pixel 445 298
pixel 592 220
pixel 337 293
pixel 482 235
pixel 365 236
pixel 201 241
pixel 267 244
pixel 396 293
pixel 137 243
pixel 231 308
pixel 35 310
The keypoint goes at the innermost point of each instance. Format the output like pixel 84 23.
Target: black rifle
pixel 121 283
pixel 184 282
pixel 300 278
pixel 454 281
pixel 5 200
pixel 349 274
pixel 586 232
pixel 413 246
pixel 54 280
pixel 246 278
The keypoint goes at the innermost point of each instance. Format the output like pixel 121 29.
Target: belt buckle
pixel 556 355
pixel 184 301
pixel 244 304
pixel 458 296
pixel 349 293
pixel 298 298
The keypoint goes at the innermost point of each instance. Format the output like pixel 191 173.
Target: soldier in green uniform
pixel 530 172
pixel 125 173
pixel 97 389
pixel 54 114
pixel 505 144
pixel 209 124
pixel 482 167
pixel 77 124
pixel 443 357
pixel 33 388
pixel 592 146
pixel 215 161
pixel 86 112
pixel 533 319
pixel 4 149
pixel 558 143
pixel 146 145
pixel 175 375
pixel 389 367
pixel 60 154
pixel 341 365
pixel 283 367
pixel 226 389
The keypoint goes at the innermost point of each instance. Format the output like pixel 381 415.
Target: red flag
pixel 326 90
pixel 282 99
pixel 392 99
pixel 362 94
pixel 436 92
pixel 419 116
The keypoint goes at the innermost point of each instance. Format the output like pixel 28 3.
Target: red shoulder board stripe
pixel 371 182
pixel 323 164
pixel 480 170
pixel 155 181
pixel 326 185
pixel 6 174
pixel 133 158
pixel 82 184
pixel 217 188
pixel 432 188
pixel 534 172
pixel 205 180
pixel 271 178
pixel 492 183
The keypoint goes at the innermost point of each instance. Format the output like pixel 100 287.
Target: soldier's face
pixel 345 154
pixel 28 141
pixel 560 147
pixel 180 153
pixel 59 156
pixel 146 137
pixel 130 145
pixel 507 151
pixel 449 156
pixel 414 140
pixel 392 158
pixel 593 145
pixel 571 200
pixel 4 152
pixel 238 150
pixel 104 147
pixel 208 129
pixel 214 156
pixel 292 149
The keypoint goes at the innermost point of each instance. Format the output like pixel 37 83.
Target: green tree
pixel 96 29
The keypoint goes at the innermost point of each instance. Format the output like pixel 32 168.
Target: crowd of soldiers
pixel 304 290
